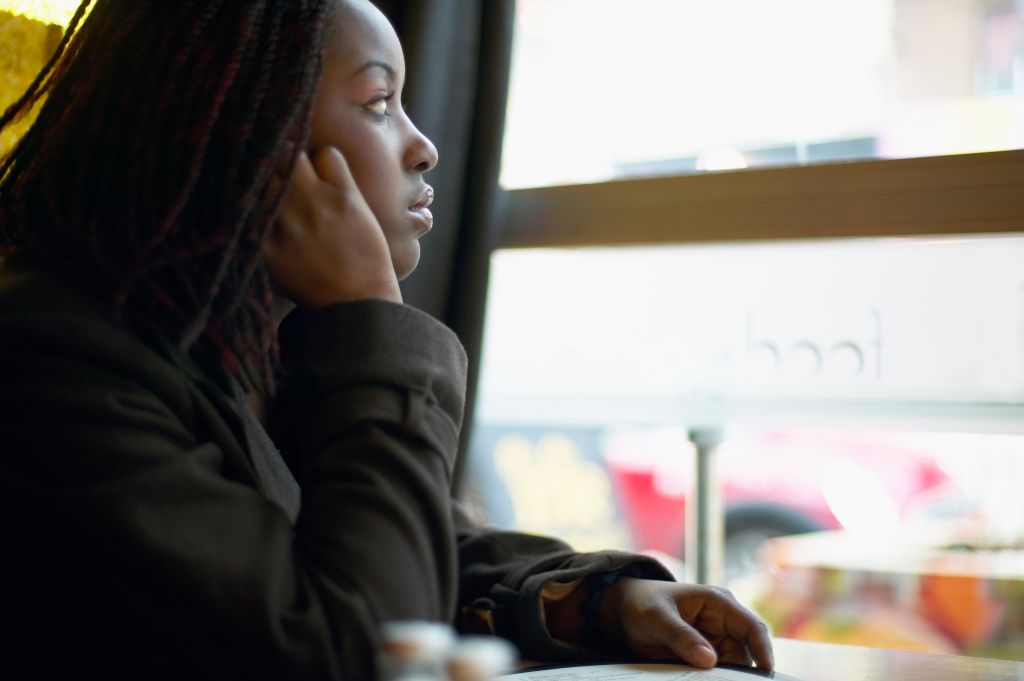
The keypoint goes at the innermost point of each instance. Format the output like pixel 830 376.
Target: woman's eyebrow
pixel 372 64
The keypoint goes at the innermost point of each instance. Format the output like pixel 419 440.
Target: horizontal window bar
pixel 964 194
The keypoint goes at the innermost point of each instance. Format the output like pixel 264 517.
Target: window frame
pixel 980 193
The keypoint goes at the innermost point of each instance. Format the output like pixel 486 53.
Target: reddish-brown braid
pixel 150 166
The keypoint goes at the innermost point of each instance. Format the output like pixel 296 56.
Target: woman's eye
pixel 381 106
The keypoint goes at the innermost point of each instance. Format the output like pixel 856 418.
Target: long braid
pixel 149 165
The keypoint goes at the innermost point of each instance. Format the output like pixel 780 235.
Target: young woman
pixel 190 490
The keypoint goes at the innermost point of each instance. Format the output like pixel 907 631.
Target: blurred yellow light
pixel 721 158
pixel 57 12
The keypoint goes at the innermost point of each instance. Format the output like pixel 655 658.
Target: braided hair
pixel 164 138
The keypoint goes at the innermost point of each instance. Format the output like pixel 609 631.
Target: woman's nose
pixel 421 154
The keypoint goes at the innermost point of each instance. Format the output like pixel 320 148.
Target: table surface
pixel 808 661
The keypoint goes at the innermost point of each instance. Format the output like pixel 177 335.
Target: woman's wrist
pixel 563 618
pixel 597 608
pixel 608 618
pixel 588 616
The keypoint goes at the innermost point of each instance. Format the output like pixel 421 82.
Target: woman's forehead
pixel 358 31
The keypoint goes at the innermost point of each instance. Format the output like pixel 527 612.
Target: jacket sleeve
pixel 503 577
pixel 130 544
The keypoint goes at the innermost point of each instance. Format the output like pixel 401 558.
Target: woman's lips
pixel 421 209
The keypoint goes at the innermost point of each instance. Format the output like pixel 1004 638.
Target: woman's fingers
pixel 327 246
pixel 700 624
pixel 299 192
pixel 683 640
pixel 745 627
pixel 731 651
pixel 332 168
pixel 304 180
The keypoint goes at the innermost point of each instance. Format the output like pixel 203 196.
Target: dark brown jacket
pixel 140 538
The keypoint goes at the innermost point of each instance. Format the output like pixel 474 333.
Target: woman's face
pixel 358 109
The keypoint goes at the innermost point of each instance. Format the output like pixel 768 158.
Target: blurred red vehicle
pixel 775 483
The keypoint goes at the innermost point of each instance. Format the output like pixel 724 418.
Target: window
pixel 849 333
pixel 605 90
pixel 868 391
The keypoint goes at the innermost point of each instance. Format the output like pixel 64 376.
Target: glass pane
pixel 604 89
pixel 919 326
pixel 870 398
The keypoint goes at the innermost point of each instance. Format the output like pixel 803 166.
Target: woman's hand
pixel 700 624
pixel 326 245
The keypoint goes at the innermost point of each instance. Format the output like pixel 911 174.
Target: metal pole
pixel 704 543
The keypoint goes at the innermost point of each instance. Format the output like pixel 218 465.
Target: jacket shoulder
pixel 48 325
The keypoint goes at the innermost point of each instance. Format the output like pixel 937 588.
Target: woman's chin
pixel 406 261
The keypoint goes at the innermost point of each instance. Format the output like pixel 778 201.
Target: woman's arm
pixel 564 606
pixel 510 585
pixel 135 538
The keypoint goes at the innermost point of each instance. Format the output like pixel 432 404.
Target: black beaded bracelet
pixel 597 584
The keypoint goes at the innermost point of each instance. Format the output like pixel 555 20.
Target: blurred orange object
pixel 910 592
pixel 874 627
pixel 961 606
